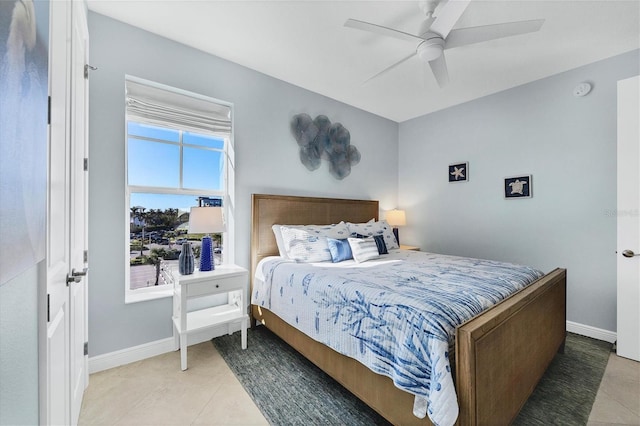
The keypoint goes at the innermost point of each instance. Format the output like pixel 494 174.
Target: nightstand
pixel 228 279
pixel 403 247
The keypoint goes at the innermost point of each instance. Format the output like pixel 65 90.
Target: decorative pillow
pixel 337 231
pixel 363 249
pixel 305 245
pixel 382 247
pixel 370 229
pixel 340 250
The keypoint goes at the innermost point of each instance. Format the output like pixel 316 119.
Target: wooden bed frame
pixel 500 355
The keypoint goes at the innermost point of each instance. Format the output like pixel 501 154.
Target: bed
pixel 500 354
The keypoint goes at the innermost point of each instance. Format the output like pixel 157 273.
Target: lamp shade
pixel 396 218
pixel 206 220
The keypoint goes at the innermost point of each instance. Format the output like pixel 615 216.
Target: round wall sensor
pixel 581 89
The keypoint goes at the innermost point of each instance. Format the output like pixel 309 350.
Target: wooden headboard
pixel 268 210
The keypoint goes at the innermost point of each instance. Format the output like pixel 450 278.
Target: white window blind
pixel 151 103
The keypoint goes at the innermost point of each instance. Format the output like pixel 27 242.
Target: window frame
pixel 226 192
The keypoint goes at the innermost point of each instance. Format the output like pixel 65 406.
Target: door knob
pixel 73 279
pixel 629 253
pixel 82 273
pixel 76 276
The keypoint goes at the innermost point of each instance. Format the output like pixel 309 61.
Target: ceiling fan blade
pixel 379 29
pixel 389 68
pixel 448 16
pixel 439 69
pixel 472 35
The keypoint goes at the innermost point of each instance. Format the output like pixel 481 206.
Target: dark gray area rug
pixel 289 390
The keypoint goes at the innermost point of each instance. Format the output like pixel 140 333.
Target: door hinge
pixel 85 256
pixel 88 68
pixel 86 348
pixel 49 110
pixel 86 164
pixel 48 308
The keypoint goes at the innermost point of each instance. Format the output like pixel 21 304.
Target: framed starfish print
pixel 518 187
pixel 459 172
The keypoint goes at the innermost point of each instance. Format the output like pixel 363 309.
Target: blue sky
pixel 156 163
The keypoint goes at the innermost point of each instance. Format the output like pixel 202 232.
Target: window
pixel 179 155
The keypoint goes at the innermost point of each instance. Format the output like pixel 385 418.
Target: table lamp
pixel 396 218
pixel 206 220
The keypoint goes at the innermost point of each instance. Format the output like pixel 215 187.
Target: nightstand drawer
pixel 216 285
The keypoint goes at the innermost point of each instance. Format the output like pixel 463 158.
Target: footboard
pixel 502 354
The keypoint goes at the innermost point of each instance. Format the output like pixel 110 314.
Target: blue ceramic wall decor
pixel 319 139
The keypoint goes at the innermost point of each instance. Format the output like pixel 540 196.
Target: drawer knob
pixel 217 285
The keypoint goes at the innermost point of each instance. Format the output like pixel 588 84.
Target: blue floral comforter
pixel 396 315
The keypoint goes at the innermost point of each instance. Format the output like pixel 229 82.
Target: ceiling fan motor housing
pixel 431 48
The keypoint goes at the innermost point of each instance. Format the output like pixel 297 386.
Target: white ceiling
pixel 306 44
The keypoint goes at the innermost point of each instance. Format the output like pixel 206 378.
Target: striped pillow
pixel 363 249
pixel 379 239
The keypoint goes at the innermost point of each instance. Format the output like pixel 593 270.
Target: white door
pixel 628 247
pixel 78 361
pixel 55 377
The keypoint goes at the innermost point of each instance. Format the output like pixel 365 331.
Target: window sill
pixel 144 295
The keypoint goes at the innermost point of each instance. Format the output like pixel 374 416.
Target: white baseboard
pixel 593 332
pixel 129 355
pixel 151 349
pixel 159 347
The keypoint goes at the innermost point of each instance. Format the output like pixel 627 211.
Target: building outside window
pixel 179 155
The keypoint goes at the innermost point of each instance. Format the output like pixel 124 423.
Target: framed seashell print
pixel 518 187
pixel 459 172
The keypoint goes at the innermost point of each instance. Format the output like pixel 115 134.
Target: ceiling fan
pixel 436 34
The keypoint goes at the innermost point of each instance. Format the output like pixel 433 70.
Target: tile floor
pixel 618 399
pixel 156 392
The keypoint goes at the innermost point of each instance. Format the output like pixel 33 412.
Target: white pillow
pixel 370 229
pixel 279 242
pixel 363 249
pixel 303 245
pixel 309 243
pixel 372 220
pixel 338 231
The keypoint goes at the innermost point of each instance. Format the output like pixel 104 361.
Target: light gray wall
pixel 19 349
pixel 567 143
pixel 266 157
